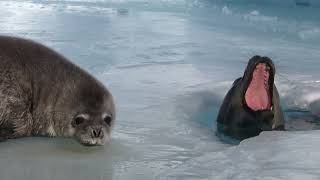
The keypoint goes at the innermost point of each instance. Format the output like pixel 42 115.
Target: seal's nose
pixel 97 132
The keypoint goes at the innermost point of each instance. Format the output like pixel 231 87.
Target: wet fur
pixel 40 88
pixel 237 120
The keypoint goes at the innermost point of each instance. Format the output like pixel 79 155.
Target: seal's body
pixel 42 93
pixel 252 104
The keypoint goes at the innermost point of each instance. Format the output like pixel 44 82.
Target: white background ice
pixel 169 64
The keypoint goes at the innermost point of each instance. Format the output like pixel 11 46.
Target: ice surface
pixel 169 63
pixel 270 156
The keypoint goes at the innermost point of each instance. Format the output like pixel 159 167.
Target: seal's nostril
pixel 94 133
pixel 97 132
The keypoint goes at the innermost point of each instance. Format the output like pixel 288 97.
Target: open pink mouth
pixel 258 93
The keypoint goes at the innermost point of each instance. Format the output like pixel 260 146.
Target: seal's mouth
pixel 258 95
pixel 93 142
pixel 88 139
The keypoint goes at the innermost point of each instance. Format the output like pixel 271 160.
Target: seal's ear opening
pixel 77 121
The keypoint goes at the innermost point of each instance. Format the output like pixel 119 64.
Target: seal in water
pixel 252 104
pixel 44 94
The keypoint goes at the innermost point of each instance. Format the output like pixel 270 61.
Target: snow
pixel 271 156
pixel 168 64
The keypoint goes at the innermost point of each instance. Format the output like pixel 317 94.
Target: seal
pixel 252 105
pixel 44 94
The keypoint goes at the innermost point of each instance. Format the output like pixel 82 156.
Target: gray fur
pixel 41 93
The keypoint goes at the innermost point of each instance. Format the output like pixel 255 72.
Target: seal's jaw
pixel 259 88
pixel 87 139
pixel 93 141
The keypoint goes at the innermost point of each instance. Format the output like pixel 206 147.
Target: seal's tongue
pixel 258 94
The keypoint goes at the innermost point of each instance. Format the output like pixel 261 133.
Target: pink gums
pixel 258 94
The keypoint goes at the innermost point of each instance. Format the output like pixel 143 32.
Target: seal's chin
pixel 258 94
pixel 89 141
pixel 93 142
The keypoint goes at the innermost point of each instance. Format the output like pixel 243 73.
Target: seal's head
pixel 94 118
pixel 258 84
pixel 92 128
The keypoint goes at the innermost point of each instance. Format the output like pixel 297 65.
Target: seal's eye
pixel 108 120
pixel 77 121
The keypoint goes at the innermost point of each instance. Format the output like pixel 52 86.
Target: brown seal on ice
pixel 44 94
